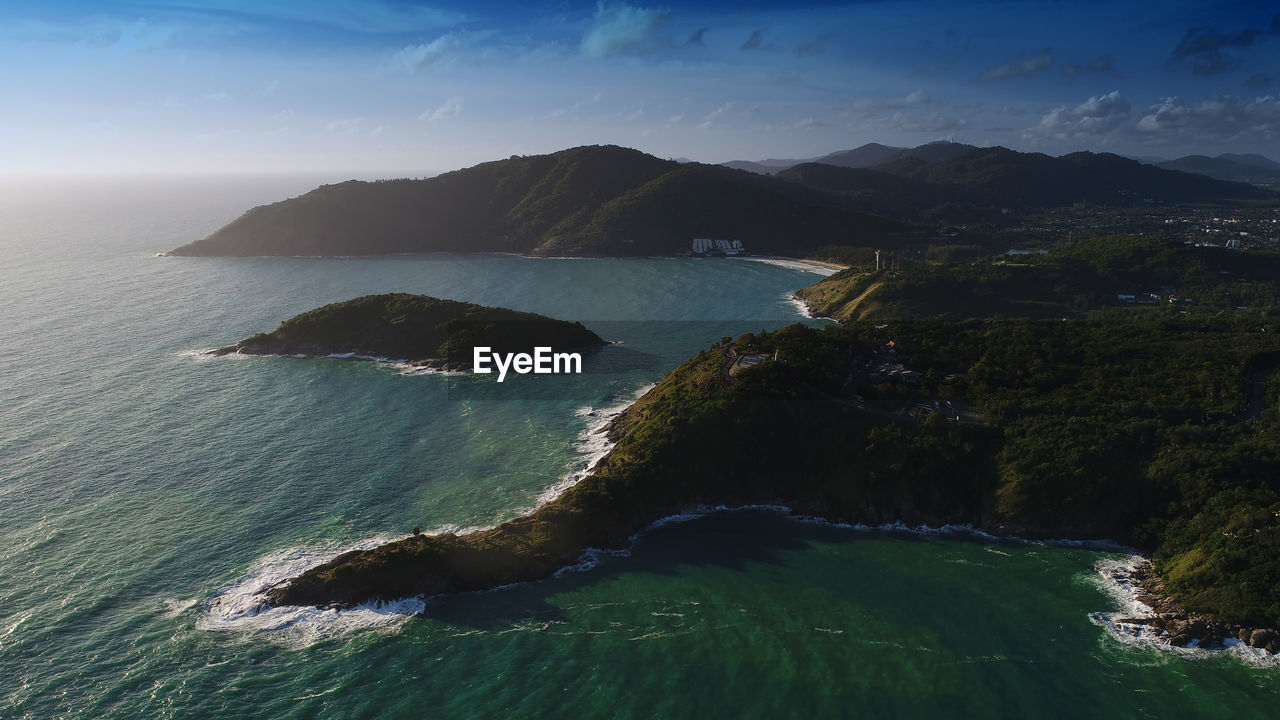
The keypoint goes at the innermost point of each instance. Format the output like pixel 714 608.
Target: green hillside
pixel 1159 432
pixel 595 200
pixel 1069 281
pixel 414 327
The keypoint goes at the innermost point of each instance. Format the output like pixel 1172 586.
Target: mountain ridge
pixel 584 201
pixel 607 200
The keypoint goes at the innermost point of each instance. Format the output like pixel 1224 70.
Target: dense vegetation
pixel 608 201
pixel 773 435
pixel 415 327
pixel 598 200
pixel 1154 426
pixel 1248 168
pixel 1069 281
pixel 956 183
pixel 1129 426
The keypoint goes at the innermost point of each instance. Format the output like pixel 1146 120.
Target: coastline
pixel 1152 617
pixel 817 267
pixel 241 606
pixel 804 308
pixel 1129 580
pixel 424 366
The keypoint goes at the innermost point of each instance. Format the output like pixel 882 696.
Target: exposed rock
pixel 1261 637
pixel 1180 626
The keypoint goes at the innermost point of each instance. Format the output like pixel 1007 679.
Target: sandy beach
pixel 819 267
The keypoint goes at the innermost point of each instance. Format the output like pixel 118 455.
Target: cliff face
pixel 415 328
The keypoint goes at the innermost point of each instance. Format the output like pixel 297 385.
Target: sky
pixel 410 88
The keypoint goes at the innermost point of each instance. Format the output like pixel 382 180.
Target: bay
pixel 142 483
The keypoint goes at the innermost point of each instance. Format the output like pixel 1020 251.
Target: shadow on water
pixel 742 540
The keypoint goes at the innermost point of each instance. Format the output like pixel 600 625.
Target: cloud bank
pixel 621 28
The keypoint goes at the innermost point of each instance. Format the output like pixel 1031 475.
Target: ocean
pixel 147 489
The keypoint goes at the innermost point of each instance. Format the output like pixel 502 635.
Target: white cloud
pixel 1216 118
pixel 931 123
pixel 422 56
pixel 450 108
pixel 710 119
pixel 370 16
pixel 209 98
pixel 619 28
pixel 1029 65
pixel 584 102
pixel 869 107
pixel 344 126
pixel 142 36
pixel 807 124
pixel 1094 118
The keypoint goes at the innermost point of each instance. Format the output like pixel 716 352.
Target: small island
pixel 416 329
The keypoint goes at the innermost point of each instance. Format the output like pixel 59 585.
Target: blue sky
pixel 414 88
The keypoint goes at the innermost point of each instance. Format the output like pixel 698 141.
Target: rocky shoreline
pixel 1168 621
pixel 242 348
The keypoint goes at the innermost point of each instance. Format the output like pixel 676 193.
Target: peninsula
pixel 418 329
pixel 1153 426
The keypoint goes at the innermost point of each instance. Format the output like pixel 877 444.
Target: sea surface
pixel 146 491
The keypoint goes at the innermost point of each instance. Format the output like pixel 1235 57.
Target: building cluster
pixel 1240 228
pixel 708 246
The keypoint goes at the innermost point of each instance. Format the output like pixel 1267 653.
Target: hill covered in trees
pixel 956 183
pixel 1250 168
pixel 612 201
pixel 1127 425
pixel 592 201
pixel 1068 281
pixel 417 328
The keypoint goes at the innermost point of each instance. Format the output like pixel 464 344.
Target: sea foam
pixel 1115 577
pixel 592 446
pixel 239 607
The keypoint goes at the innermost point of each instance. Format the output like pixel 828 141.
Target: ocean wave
pixel 207 354
pixel 1116 578
pixel 239 608
pixel 803 308
pixel 592 446
pixel 800 305
pixel 371 358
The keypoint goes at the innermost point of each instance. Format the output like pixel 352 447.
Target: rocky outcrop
pixel 1169 620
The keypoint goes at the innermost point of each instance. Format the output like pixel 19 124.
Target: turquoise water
pixel 144 489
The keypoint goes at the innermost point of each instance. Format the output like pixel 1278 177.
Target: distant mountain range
pixel 956 183
pixel 1249 168
pixel 614 201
